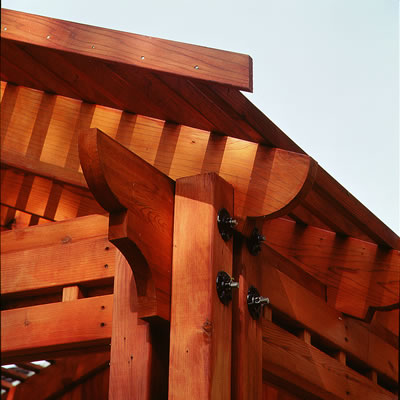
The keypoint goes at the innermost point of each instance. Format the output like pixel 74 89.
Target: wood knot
pixel 207 328
pixel 66 239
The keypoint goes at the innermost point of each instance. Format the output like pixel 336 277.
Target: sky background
pixel 325 71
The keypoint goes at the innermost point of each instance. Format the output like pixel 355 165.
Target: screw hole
pixel 102 324
pixel 105 265
pixel 48 37
pixel 196 67
pixel 142 58
pixel 5 28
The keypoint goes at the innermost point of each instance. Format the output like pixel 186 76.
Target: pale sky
pixel 325 71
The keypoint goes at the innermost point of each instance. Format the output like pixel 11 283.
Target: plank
pixel 62 264
pixel 200 348
pixel 67 231
pixel 105 45
pixel 246 332
pixel 299 366
pixel 62 376
pixel 358 274
pixel 137 195
pixel 35 331
pixel 343 333
pixel 137 368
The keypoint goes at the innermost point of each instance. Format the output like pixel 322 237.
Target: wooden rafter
pixel 166 146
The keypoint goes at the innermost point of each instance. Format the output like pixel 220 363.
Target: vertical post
pixel 247 332
pixel 200 347
pixel 135 364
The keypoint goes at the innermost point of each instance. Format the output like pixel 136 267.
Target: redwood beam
pixel 368 272
pixel 139 357
pixel 140 201
pixel 246 331
pixel 40 332
pixel 200 349
pixel 108 46
pixel 306 371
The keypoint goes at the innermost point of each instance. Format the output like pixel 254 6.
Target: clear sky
pixel 325 71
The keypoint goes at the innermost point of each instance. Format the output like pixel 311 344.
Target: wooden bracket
pixel 140 200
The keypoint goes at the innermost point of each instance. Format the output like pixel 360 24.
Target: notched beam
pixel 140 200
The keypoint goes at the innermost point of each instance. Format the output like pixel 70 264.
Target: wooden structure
pixel 118 153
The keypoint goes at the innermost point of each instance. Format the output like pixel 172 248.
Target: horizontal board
pixel 63 232
pixel 343 333
pixel 358 274
pixel 62 264
pixel 297 365
pixel 127 49
pixel 56 327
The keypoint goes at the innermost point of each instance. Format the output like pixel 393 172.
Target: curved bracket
pixel 140 200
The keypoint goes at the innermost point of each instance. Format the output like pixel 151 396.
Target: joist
pixel 157 142
pixel 44 197
pixel 358 274
pixel 267 181
pixel 40 332
pixel 115 47
pixel 344 333
pixel 298 366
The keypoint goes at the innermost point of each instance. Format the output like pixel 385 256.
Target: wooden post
pixel 136 362
pixel 200 348
pixel 247 332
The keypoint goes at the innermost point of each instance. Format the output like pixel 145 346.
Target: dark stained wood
pixel 109 46
pixel 306 369
pixel 140 200
pixel 62 376
pixel 200 350
pixel 138 369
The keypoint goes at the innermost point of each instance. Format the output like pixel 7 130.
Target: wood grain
pixel 297 365
pixel 343 333
pixel 45 198
pixel 358 274
pixel 200 350
pixel 34 331
pixel 67 231
pixel 246 332
pixel 140 200
pixel 108 46
pixel 137 368
pixel 62 264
